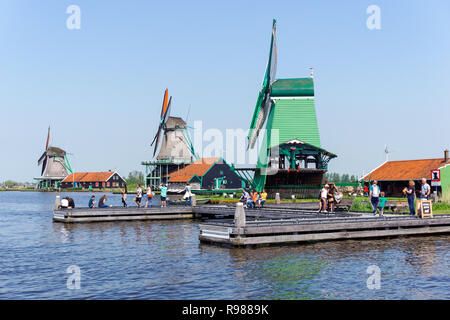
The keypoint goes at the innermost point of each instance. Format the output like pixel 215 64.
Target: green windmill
pixel 291 158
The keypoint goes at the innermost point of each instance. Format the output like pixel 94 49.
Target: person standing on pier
pixel 425 190
pixel 374 195
pixel 188 195
pixel 149 197
pixel 139 195
pixel 410 192
pixel 124 198
pixel 163 189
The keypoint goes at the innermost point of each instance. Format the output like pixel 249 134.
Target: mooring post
pixel 277 198
pixel 239 215
pixel 57 202
pixel 193 200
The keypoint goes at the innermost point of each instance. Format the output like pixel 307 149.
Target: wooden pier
pixel 122 214
pixel 240 232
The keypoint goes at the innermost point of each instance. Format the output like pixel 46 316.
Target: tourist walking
pixel 188 194
pixel 374 195
pixel 163 189
pixel 410 192
pixel 138 195
pixel 149 197
pixel 124 198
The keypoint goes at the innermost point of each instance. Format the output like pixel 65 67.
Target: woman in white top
pixel 149 197
pixel 188 194
pixel 323 198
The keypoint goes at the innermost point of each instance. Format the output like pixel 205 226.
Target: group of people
pixel 378 199
pixel 253 199
pixel 101 202
pixel 329 195
pixel 149 196
pixel 410 192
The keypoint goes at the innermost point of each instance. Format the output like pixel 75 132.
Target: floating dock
pixel 240 232
pixel 122 214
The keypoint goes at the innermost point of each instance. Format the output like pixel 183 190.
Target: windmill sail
pixel 263 102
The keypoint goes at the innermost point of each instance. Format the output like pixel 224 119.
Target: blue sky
pixel 100 87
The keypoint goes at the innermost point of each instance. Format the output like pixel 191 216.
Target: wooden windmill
pixel 176 150
pixel 55 165
pixel 291 156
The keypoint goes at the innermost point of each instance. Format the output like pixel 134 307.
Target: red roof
pixel 406 169
pixel 199 168
pixel 89 176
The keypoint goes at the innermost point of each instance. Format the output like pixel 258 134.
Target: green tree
pixel 135 177
pixel 11 184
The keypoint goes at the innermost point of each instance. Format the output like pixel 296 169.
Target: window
pixel 108 184
pixel 96 184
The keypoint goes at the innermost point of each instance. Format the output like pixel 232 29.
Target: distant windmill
pixel 176 144
pixel 55 165
pixel 387 151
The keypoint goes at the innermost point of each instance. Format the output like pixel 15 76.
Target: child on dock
pixel 382 203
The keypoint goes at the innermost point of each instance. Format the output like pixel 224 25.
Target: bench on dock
pixel 345 204
pixel 396 206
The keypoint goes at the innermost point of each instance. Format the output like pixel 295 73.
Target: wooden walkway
pixel 122 214
pixel 304 228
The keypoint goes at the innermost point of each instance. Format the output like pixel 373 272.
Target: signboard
pixel 425 208
pixel 435 177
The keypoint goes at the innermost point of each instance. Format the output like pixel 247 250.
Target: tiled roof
pixel 406 169
pixel 89 176
pixel 199 168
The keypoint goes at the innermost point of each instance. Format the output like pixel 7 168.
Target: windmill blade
pixel 44 165
pixel 263 102
pixel 164 105
pixel 157 134
pixel 41 159
pixel 48 138
pixel 157 142
pixel 166 114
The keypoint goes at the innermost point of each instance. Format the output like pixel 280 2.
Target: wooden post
pixel 239 216
pixel 57 202
pixel 277 198
pixel 193 200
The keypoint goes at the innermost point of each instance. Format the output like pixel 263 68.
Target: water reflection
pixel 164 260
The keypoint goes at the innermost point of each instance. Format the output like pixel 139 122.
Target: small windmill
pixel 176 144
pixel 54 162
pixel 387 152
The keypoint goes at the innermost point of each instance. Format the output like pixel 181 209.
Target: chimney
pixel 446 155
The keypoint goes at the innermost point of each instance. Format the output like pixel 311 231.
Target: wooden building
pixel 94 180
pixel 393 176
pixel 206 174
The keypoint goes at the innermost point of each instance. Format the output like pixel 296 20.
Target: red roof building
pixel 393 176
pixel 97 180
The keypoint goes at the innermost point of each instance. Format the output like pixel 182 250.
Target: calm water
pixel 164 260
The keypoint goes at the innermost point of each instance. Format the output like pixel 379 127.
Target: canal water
pixel 164 260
